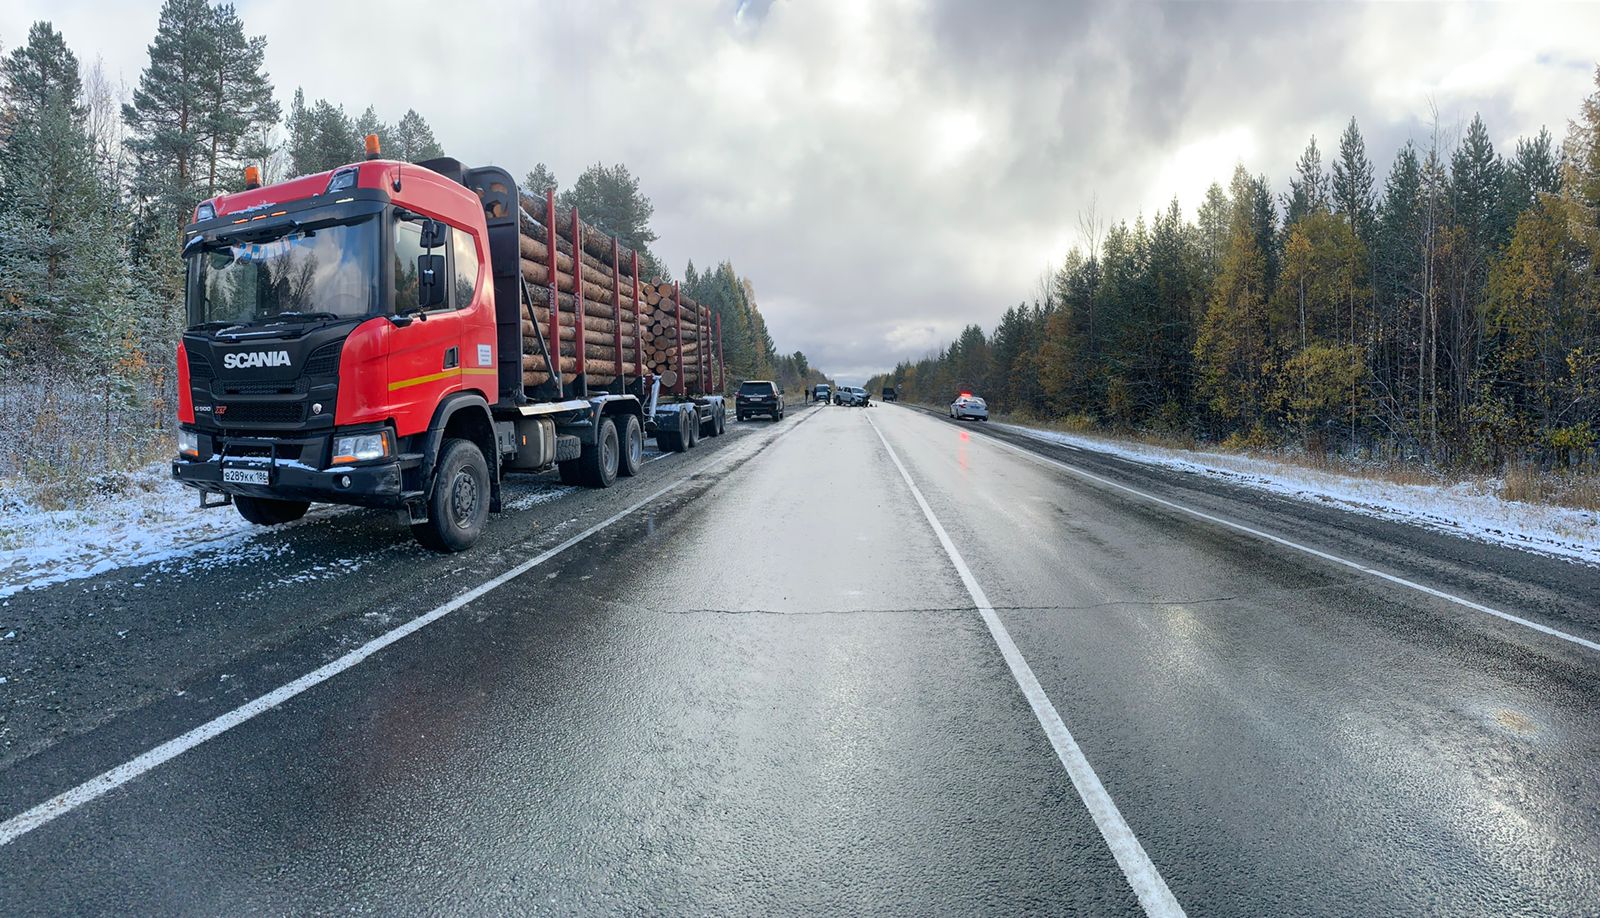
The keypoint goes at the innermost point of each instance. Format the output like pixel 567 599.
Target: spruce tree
pixel 539 180
pixel 240 104
pixel 1308 191
pixel 1353 194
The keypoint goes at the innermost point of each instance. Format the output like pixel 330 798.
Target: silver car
pixel 969 406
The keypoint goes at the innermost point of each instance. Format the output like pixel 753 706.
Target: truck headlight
pixel 188 444
pixel 361 447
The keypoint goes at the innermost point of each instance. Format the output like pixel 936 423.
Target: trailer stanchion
pixel 638 323
pixel 722 368
pixel 677 310
pixel 579 339
pixel 555 309
pixel 616 309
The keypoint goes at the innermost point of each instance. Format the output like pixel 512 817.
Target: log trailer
pixel 384 335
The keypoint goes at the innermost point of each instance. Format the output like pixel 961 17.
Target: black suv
pixel 758 396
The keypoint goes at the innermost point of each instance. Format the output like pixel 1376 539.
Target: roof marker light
pixel 342 180
pixel 252 178
pixel 373 150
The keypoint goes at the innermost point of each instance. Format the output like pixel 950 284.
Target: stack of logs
pixel 645 329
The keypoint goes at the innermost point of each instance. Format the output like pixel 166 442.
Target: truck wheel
pixel 600 461
pixel 631 458
pixel 267 511
pixel 719 423
pixel 459 505
pixel 694 429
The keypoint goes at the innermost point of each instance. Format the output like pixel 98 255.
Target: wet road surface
pixel 770 688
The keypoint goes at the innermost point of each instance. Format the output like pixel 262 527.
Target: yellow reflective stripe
pixel 419 380
pixel 476 371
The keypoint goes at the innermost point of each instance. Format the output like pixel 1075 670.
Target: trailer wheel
pixel 719 422
pixel 694 428
pixel 599 462
pixel 267 511
pixel 631 457
pixel 674 441
pixel 459 505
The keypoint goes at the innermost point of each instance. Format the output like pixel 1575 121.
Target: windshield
pixel 328 272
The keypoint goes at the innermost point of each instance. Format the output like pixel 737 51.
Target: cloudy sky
pixel 888 171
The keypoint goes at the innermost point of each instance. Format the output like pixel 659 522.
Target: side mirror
pixel 433 234
pixel 431 291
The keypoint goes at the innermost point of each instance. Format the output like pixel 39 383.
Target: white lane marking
pixel 1142 875
pixel 1279 540
pixel 69 800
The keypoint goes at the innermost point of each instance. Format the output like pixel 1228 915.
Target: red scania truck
pixel 356 337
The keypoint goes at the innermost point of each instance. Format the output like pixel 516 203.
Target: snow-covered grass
pixel 1471 507
pixel 151 518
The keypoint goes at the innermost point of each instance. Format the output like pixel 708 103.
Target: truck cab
pixel 343 345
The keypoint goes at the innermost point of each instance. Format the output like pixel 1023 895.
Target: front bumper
pixel 378 485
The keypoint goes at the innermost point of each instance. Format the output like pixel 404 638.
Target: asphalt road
pixel 857 661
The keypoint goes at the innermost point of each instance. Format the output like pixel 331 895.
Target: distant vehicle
pixel 890 394
pixel 968 405
pixel 758 396
pixel 823 393
pixel 853 396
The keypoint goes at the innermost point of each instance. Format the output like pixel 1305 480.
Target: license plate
pixel 245 476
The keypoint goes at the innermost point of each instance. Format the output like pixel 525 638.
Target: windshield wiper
pixel 306 315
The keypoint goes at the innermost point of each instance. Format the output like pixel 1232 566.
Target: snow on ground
pixel 156 520
pixel 1472 509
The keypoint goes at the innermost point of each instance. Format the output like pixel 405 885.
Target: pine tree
pixel 609 198
pixel 370 123
pixel 413 139
pixel 540 180
pixel 169 118
pixel 240 104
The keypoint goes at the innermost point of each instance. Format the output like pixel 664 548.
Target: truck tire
pixel 458 508
pixel 631 438
pixel 719 422
pixel 600 460
pixel 675 440
pixel 267 511
pixel 694 428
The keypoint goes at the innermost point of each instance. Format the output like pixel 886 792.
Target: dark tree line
pixel 1449 312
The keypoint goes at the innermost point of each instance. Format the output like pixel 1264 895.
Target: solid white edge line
pixel 69 800
pixel 1130 855
pixel 1335 559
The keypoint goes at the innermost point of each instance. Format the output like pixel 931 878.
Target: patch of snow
pixel 1471 509
pixel 157 520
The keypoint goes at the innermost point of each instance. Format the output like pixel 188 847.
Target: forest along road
pixel 858 660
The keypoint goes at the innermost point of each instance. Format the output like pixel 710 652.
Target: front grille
pixel 266 388
pixel 285 451
pixel 243 413
pixel 324 361
pixel 198 364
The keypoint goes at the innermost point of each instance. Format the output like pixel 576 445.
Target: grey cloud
pixel 824 146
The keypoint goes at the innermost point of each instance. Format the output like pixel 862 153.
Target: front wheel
pixel 268 511
pixel 459 505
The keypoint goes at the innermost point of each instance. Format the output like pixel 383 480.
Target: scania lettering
pixel 257 359
pixel 358 337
